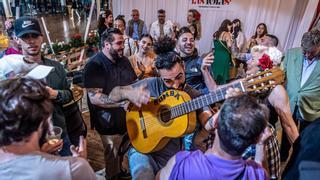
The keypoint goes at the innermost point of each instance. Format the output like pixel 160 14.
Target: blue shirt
pixel 135 33
pixel 307 69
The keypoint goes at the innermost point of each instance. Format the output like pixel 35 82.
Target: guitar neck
pixel 204 100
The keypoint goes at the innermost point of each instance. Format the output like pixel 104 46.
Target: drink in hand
pixel 53 141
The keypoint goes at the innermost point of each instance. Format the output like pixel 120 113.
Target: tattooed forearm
pixel 102 100
pixel 93 91
pixel 106 99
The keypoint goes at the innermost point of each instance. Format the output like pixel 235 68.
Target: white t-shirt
pixel 39 166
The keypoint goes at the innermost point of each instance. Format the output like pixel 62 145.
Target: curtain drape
pixel 285 19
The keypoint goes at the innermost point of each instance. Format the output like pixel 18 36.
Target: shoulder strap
pixel 225 46
pixel 232 56
pixel 124 147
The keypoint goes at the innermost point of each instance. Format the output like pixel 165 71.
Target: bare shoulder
pixel 278 96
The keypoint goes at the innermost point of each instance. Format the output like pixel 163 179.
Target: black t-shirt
pixel 100 72
pixel 194 76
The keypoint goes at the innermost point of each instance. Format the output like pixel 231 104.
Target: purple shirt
pixel 196 165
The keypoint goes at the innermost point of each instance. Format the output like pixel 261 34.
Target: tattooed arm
pixel 118 96
pixel 102 100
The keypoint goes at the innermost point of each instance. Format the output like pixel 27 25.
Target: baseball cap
pixel 12 66
pixel 26 25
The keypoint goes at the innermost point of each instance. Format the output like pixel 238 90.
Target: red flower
pixel 76 36
pixel 227 1
pixel 197 16
pixel 265 62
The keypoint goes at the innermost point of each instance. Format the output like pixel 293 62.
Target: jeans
pixel 111 145
pixel 188 142
pixel 141 165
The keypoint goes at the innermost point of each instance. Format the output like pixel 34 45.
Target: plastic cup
pixel 54 135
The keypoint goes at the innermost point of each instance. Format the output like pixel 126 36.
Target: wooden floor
pixel 61 27
pixel 95 148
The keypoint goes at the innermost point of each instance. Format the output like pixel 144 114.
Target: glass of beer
pixel 54 135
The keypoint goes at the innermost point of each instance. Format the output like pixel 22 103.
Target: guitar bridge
pixel 142 124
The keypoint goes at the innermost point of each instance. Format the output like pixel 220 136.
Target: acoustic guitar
pixel 173 115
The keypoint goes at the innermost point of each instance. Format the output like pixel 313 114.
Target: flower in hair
pixel 265 62
pixel 197 16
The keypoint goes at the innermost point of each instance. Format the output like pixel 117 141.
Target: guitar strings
pixel 166 115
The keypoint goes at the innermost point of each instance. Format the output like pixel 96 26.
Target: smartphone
pixel 212 46
pixel 81 146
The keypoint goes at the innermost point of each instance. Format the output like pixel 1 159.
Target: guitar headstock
pixel 265 80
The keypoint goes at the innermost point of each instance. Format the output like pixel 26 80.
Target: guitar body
pixel 173 115
pixel 150 127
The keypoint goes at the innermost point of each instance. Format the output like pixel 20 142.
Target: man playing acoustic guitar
pixel 172 76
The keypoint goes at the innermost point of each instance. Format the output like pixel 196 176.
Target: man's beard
pixel 181 86
pixel 115 55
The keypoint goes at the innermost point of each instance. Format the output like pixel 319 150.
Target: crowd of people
pixel 136 63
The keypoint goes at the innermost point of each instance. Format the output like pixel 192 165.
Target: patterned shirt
pixel 273 154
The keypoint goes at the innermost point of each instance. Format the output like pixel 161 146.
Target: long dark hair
pixel 102 17
pixel 223 27
pixel 236 29
pixel 264 33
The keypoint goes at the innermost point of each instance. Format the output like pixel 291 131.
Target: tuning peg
pixel 271 82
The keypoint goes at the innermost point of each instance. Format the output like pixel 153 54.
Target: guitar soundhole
pixel 165 115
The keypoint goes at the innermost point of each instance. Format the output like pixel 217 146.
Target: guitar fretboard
pixel 202 101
